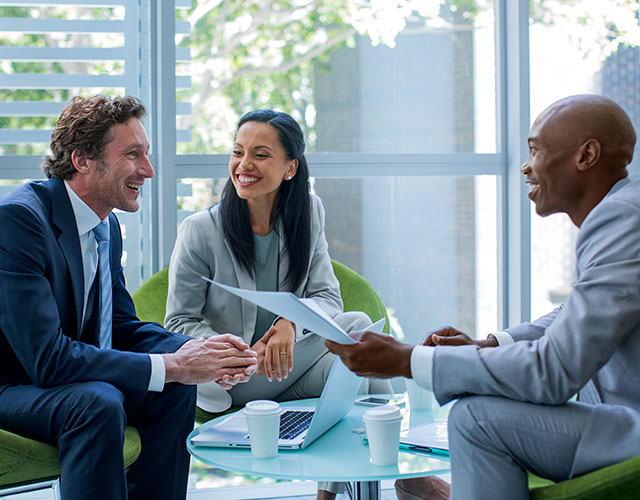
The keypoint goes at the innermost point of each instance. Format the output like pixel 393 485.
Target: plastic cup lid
pixel 382 414
pixel 262 407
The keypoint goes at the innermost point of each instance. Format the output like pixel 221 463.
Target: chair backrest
pixel 357 294
pixel 151 298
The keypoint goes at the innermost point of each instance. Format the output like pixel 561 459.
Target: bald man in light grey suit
pixel 513 413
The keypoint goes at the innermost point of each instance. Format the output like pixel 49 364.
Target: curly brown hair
pixel 85 125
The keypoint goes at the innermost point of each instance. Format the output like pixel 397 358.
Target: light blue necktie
pixel 101 232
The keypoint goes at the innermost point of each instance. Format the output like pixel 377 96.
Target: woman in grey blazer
pixel 267 233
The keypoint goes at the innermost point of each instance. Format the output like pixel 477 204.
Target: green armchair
pixel 29 465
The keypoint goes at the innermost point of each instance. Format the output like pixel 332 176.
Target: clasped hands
pixel 225 359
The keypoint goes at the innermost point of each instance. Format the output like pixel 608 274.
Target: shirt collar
pixel 622 182
pixel 86 219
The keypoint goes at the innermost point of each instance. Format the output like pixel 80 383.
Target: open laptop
pixel 299 426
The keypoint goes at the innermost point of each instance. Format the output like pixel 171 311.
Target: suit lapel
pixel 69 241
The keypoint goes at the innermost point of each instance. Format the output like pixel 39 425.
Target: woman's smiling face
pixel 259 163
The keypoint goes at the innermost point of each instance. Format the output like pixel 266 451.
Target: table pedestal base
pixel 364 490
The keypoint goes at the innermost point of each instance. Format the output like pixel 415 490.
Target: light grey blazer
pixel 591 344
pixel 199 309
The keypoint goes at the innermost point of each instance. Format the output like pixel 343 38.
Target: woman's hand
pixel 278 355
pixel 260 348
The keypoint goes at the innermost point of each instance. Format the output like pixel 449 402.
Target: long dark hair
pixel 292 204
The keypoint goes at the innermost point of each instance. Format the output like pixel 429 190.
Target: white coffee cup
pixel 419 398
pixel 263 422
pixel 383 433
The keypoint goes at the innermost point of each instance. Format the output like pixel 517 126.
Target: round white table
pixel 337 455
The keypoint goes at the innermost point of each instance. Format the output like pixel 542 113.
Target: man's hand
pixel 223 358
pixel 227 382
pixel 450 336
pixel 375 355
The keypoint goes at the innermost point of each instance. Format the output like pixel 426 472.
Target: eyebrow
pixel 259 146
pixel 137 145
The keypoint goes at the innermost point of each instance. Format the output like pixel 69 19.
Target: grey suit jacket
pixel 200 309
pixel 593 340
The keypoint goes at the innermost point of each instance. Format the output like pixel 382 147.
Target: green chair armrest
pixel 27 461
pixel 620 481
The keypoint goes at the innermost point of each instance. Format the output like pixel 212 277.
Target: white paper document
pixel 303 312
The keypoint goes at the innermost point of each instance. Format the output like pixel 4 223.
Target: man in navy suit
pixel 56 383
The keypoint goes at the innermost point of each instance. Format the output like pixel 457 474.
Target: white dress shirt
pixel 86 220
pixel 422 360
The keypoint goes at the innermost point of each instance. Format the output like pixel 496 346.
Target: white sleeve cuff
pixel 422 366
pixel 158 372
pixel 503 338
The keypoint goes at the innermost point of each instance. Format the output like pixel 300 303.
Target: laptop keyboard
pixel 294 422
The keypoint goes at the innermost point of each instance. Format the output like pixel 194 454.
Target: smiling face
pixel 115 179
pixel 550 169
pixel 259 164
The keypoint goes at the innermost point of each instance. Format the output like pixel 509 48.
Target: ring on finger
pixel 283 354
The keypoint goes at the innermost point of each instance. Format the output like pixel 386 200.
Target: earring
pixel 289 178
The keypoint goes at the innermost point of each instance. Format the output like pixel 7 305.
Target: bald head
pixel 579 147
pixel 574 120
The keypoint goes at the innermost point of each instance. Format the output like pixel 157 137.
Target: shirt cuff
pixel 422 366
pixel 503 338
pixel 158 372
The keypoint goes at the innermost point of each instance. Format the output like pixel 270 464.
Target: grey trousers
pixel 494 441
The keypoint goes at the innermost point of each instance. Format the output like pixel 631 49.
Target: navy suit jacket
pixel 41 300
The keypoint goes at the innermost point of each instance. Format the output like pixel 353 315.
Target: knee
pixel 98 401
pixel 353 320
pixel 183 393
pixel 466 414
pixel 180 397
